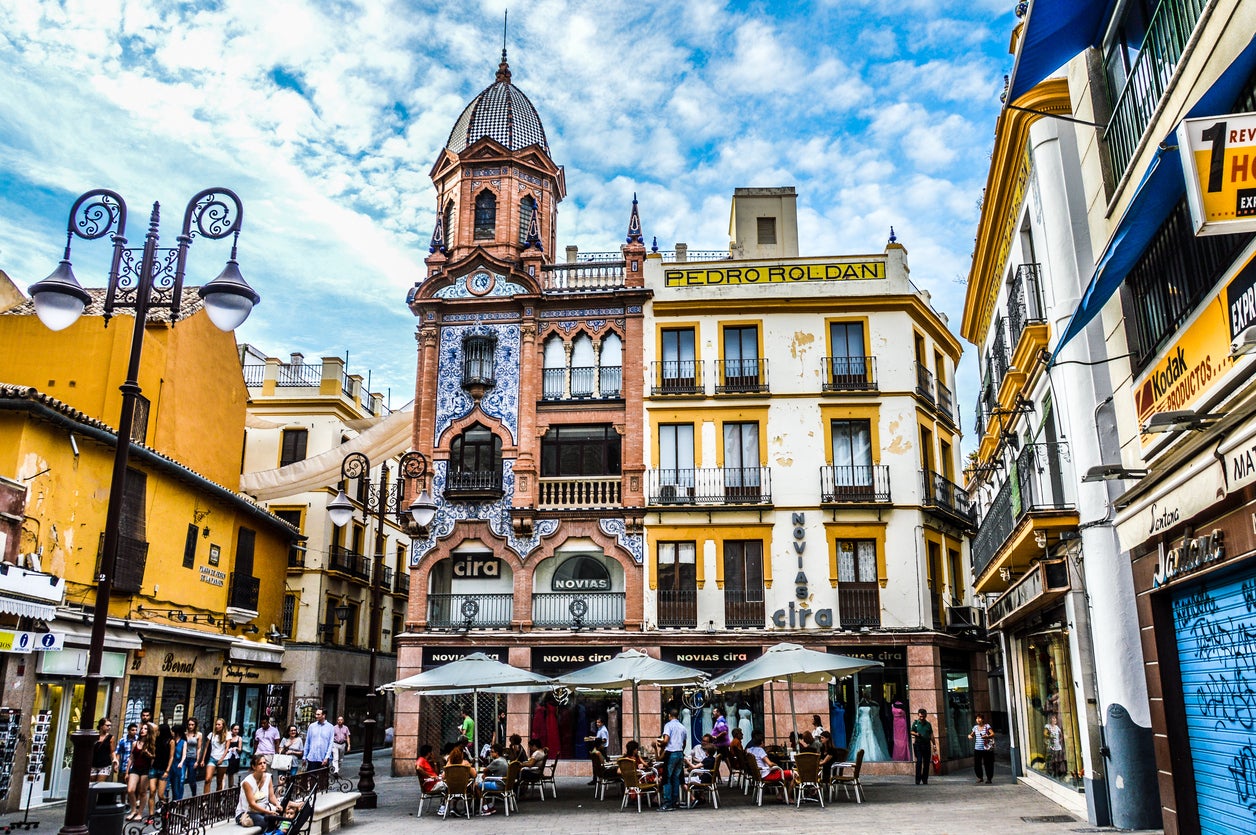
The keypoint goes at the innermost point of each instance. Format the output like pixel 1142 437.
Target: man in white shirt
pixel 675 740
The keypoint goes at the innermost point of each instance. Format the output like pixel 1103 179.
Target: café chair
pixel 633 787
pixel 708 785
pixel 604 775
pixel 441 794
pixel 807 778
pixel 547 779
pixel 846 781
pixel 507 791
pixel 459 778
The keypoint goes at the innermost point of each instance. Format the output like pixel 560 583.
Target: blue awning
pixel 1055 31
pixel 1159 190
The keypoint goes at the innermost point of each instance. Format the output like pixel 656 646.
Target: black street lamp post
pixel 155 282
pixel 380 501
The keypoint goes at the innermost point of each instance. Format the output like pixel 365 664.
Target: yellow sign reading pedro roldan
pixel 701 276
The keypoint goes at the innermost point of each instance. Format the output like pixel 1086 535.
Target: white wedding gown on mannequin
pixel 869 735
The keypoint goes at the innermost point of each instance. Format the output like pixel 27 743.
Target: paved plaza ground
pixel 949 804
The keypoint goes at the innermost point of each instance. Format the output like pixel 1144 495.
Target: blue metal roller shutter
pixel 1215 622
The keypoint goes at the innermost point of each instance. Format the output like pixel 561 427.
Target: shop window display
pixel 959 714
pixel 1050 714
pixel 563 726
pixel 871 710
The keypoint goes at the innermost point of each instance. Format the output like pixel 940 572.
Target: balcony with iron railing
pixel 729 486
pixel 579 492
pixel 470 611
pixel 941 495
pixel 578 610
pixel 1137 101
pixel 744 609
pixel 1024 302
pixel 243 592
pixel 998 358
pixel 583 276
pixel 924 382
pixel 582 383
pixel 677 608
pixel 848 374
pixel 474 484
pixel 401 583
pixel 741 376
pixel 869 484
pixel 677 378
pixel 340 558
pixel 946 403
pixel 858 605
pixel 1037 496
pixel 325 379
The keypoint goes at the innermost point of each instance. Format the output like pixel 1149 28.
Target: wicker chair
pixel 807 778
pixel 604 775
pixel 441 793
pixel 459 778
pixel 846 781
pixel 507 791
pixel 633 787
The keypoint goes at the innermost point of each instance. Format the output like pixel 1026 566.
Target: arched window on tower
pixel 485 215
pixel 583 364
pixel 554 373
pixel 527 209
pixel 611 371
pixel 450 232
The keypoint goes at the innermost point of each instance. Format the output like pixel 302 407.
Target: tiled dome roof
pixel 501 111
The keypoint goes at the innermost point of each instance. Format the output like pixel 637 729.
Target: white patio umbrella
pixel 475 673
pixel 632 668
pixel 789 663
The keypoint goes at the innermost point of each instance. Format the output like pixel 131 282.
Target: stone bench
pixel 332 811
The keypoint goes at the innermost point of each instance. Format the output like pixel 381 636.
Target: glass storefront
pixel 1050 714
pixel 60 705
pixel 959 715
pixel 871 710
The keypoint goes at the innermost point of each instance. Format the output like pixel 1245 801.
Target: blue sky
pixel 327 116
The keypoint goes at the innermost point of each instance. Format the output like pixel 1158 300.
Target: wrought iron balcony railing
pixel 868 484
pixel 708 486
pixel 677 608
pixel 1037 482
pixel 943 494
pixel 744 609
pixel 741 376
pixel 472 611
pixel 244 591
pixel 858 605
pixel 924 382
pixel 1024 300
pixel 584 610
pixel 849 374
pixel 677 377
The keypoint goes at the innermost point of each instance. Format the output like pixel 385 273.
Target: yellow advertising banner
pixel 1200 356
pixel 774 273
pixel 1219 163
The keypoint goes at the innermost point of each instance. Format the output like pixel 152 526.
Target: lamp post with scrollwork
pixel 143 280
pixel 380 501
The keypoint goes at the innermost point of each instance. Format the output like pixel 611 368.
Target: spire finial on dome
pixel 634 224
pixel 893 237
pixel 503 69
pixel 654 244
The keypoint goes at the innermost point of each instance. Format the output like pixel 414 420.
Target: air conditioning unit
pixel 965 618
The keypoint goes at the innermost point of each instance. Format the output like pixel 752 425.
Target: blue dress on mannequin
pixel 837 724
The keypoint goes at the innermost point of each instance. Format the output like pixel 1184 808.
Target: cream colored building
pixel 802 449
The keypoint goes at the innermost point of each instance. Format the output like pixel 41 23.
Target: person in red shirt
pixel 427 772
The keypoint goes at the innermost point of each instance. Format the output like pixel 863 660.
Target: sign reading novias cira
pixel 1219 163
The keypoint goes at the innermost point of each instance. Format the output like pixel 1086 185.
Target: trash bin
pixel 106 808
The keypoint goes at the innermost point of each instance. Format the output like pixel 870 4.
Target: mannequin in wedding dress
pixel 745 723
pixel 869 733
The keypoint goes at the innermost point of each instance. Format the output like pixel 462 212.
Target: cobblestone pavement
pixel 949 804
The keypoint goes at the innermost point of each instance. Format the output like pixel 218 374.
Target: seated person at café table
pixel 644 767
pixel 427 771
pixel 515 752
pixel 830 754
pixel 700 764
pixel 769 771
pixel 493 778
pixel 533 767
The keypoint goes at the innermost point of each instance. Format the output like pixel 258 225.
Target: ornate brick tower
pixel 533 426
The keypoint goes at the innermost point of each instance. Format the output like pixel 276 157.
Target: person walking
pixel 196 752
pixel 341 739
pixel 318 741
pixel 983 749
pixel 104 758
pixel 294 747
pixel 923 742
pixel 216 759
pixel 235 752
pixel 675 740
pixel 122 754
pixel 265 738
